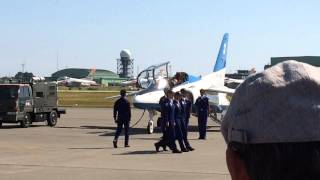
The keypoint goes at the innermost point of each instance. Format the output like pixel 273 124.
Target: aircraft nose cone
pixel 138 99
pixel 138 102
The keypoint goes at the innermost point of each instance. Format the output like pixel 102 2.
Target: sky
pixel 188 33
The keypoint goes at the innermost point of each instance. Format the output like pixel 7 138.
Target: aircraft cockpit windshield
pixel 155 75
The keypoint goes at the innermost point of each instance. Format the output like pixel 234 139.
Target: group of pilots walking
pixel 175 114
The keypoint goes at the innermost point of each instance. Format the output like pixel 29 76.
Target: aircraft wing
pixel 230 80
pixel 118 96
pixel 220 90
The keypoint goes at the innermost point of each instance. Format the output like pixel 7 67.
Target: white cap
pixel 278 105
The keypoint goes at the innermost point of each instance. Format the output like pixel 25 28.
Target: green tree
pixel 24 76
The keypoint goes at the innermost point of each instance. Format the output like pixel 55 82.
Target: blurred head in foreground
pixel 272 127
pixel 123 92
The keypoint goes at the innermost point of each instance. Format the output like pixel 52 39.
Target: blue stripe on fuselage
pixel 192 78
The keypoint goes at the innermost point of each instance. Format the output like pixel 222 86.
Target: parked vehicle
pixel 26 103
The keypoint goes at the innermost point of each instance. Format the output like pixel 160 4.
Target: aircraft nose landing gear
pixel 150 127
pixel 150 122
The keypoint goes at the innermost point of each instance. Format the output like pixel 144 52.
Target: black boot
pixel 164 148
pixel 184 150
pixel 176 151
pixel 115 144
pixel 182 147
pixel 156 145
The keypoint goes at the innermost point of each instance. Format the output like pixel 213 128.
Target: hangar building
pixel 101 76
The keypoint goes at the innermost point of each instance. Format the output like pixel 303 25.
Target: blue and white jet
pixel 155 78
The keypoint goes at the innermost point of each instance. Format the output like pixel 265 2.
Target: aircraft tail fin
pixel 222 56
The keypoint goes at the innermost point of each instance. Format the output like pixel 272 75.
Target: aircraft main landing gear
pixel 150 122
pixel 217 114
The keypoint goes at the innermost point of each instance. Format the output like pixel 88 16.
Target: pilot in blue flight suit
pixel 188 108
pixel 202 104
pixel 179 124
pixel 170 122
pixel 178 113
pixel 164 140
pixel 122 116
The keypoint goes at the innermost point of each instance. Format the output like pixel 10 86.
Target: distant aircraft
pixel 155 78
pixel 75 82
pixel 130 82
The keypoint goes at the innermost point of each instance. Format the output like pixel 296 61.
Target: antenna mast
pixel 23 66
pixel 57 61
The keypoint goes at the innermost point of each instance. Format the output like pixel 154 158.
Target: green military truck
pixel 29 102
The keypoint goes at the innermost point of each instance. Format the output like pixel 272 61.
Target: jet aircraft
pixel 75 82
pixel 155 78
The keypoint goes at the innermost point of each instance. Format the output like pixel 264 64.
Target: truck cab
pixel 27 103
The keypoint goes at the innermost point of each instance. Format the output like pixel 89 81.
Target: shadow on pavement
pixel 138 153
pixel 98 127
pixel 18 126
pixel 195 128
pixel 92 148
pixel 132 131
pixel 110 130
pixel 141 138
pixel 83 127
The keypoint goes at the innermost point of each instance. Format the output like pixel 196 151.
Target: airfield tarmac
pixel 80 147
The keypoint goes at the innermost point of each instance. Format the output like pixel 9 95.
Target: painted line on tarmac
pixel 116 169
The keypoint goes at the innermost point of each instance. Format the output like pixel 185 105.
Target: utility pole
pixel 138 71
pixel 23 66
pixel 57 61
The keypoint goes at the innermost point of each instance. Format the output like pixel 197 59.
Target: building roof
pixel 83 73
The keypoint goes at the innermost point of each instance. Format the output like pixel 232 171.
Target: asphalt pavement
pixel 80 147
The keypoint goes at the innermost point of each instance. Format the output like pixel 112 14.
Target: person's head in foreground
pixel 177 96
pixel 170 94
pixel 183 92
pixel 272 127
pixel 165 90
pixel 202 92
pixel 123 92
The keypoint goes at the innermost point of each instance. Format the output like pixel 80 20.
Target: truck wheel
pixel 53 118
pixel 26 121
pixel 0 124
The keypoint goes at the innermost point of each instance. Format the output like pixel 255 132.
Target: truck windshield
pixel 8 92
